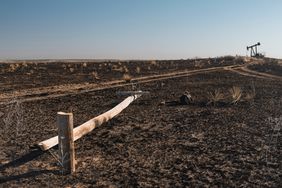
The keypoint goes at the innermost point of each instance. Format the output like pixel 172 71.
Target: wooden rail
pixel 88 126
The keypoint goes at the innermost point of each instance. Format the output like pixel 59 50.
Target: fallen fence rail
pixel 88 126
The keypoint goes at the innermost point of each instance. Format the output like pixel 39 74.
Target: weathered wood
pixel 88 126
pixel 66 142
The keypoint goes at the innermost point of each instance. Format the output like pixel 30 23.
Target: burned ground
pixel 32 74
pixel 151 143
pixel 272 66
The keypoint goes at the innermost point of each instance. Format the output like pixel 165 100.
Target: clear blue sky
pixel 138 29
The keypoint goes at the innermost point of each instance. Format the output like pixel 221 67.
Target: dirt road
pixel 68 89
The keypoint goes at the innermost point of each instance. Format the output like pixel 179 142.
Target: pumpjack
pixel 254 50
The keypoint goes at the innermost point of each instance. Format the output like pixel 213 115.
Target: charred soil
pixel 156 141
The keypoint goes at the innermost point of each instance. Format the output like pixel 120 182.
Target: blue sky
pixel 138 29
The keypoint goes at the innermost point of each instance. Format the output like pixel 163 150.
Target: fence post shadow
pixel 31 155
pixel 33 173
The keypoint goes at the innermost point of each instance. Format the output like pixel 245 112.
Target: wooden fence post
pixel 66 142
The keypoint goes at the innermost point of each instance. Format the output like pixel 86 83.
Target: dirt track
pixel 63 90
pixel 151 144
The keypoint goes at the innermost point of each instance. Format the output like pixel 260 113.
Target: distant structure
pixel 254 50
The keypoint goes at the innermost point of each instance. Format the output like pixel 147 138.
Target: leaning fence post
pixel 66 142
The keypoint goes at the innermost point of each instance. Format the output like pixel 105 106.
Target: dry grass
pixel 199 64
pixel 215 97
pixel 125 69
pixel 236 94
pixel 251 95
pixel 153 62
pixel 1 114
pixel 127 77
pixel 95 75
pixel 13 67
pixel 13 121
pixel 138 70
pixel 30 72
pixel 24 64
pixel 71 70
pixel 117 68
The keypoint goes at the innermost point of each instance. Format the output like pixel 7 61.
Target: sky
pixel 138 29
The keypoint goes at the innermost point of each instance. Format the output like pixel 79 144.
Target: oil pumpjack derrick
pixel 254 50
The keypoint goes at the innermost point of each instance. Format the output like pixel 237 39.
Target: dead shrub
pixel 153 62
pixel 199 64
pixel 125 69
pixel 30 72
pixel 13 67
pixel 138 70
pixel 95 75
pixel 117 68
pixel 251 95
pixel 127 77
pixel 24 64
pixel 236 94
pixel 13 121
pixel 215 96
pixel 71 70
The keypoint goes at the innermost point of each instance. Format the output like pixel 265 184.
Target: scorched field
pixel 227 135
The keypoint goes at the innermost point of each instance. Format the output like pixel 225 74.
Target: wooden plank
pixel 88 126
pixel 66 142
